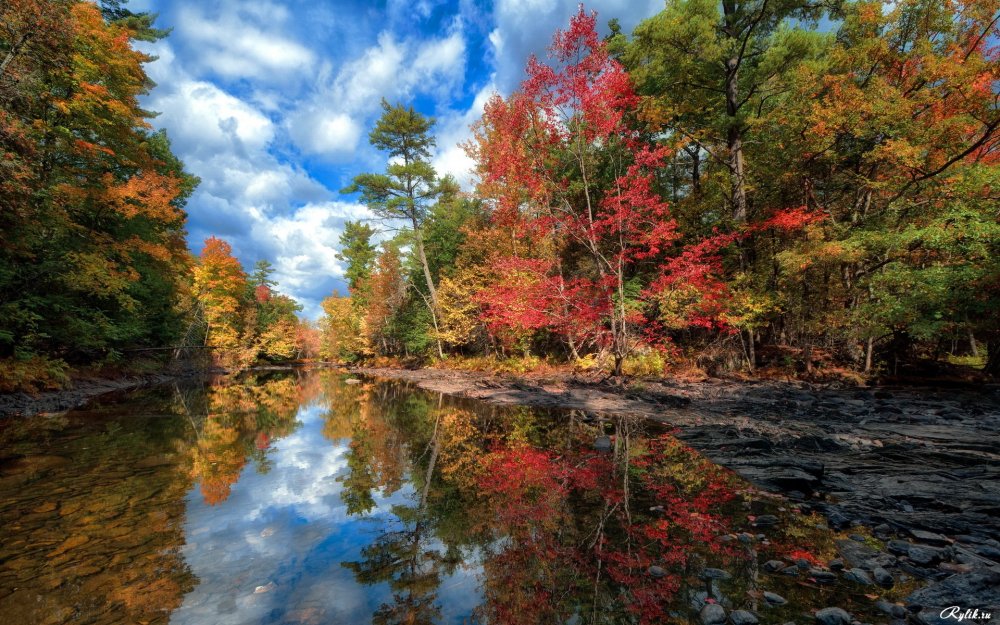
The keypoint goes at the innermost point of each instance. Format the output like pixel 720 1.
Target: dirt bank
pixel 82 390
pixel 909 458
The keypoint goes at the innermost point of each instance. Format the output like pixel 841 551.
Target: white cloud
pixel 243 41
pixel 330 124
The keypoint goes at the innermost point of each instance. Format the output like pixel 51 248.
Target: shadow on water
pixel 307 498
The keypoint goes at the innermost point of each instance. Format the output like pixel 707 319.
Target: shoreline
pixel 894 456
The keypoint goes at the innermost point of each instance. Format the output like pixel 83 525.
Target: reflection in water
pixel 303 499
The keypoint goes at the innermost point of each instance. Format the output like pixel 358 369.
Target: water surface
pixel 304 498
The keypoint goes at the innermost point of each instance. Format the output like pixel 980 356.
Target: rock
pixel 966 589
pixel 766 520
pixel 712 614
pixel 836 565
pixel 791 571
pixel 838 519
pixel 352 381
pixel 70 543
pixel 656 571
pixel 774 598
pixel 822 577
pixel 803 564
pixel 856 538
pixel 882 577
pixel 743 617
pixel 858 576
pixel 745 538
pixel 266 588
pixel 708 574
pixel 602 443
pixel 855 553
pixel 899 547
pixel 773 566
pixel 833 616
pixel 929 537
pixel 924 556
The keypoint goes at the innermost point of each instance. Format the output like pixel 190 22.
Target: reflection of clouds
pixel 287 527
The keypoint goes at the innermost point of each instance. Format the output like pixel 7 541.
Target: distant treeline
pixel 739 184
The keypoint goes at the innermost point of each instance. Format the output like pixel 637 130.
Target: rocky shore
pixel 82 390
pixel 921 466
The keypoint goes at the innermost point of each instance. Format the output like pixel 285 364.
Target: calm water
pixel 302 498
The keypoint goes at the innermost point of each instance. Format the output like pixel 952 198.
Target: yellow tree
pixel 220 284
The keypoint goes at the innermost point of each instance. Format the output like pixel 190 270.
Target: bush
pixel 32 375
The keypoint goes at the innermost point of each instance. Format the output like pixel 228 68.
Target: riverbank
pixel 923 459
pixel 81 391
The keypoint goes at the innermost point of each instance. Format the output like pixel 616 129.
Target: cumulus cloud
pixel 330 124
pixel 270 102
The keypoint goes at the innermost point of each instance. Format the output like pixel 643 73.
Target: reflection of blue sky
pixel 289 528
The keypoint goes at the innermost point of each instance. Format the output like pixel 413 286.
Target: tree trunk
pixel 734 132
pixel 14 49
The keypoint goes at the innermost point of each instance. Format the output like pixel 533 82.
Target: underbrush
pixel 33 375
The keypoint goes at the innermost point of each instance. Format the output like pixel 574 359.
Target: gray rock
pixel 712 614
pixel 929 537
pixel 708 574
pixel 855 553
pixel 602 443
pixel 883 577
pixel 899 547
pixel 766 520
pixel 773 598
pixel 773 566
pixel 836 565
pixel 791 571
pixel 656 571
pixel 858 576
pixel 924 556
pixel 822 577
pixel 833 616
pixel 743 617
pixel 965 589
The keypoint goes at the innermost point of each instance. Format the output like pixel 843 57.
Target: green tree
pixel 408 188
pixel 358 251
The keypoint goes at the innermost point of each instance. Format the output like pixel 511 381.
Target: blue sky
pixel 270 104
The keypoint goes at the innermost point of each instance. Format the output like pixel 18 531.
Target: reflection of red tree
pixel 553 538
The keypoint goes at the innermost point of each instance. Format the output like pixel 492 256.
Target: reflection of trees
pixel 241 419
pixel 560 528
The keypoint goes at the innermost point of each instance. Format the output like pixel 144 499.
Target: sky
pixel 270 103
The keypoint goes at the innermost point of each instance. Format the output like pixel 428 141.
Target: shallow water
pixel 301 498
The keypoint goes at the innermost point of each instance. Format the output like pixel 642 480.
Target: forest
pixel 758 187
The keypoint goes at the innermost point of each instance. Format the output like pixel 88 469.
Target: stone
pixel 836 564
pixel 854 553
pixel 822 577
pixel 924 556
pixel 929 537
pixel 708 574
pixel 858 576
pixel 656 571
pixel 70 543
pixel 766 520
pixel 964 589
pixel 791 571
pixel 773 566
pixel 743 617
pixel 602 443
pixel 833 616
pixel 773 598
pixel 899 547
pixel 882 577
pixel 266 588
pixel 712 614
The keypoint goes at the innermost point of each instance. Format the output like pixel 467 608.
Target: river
pixel 308 497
